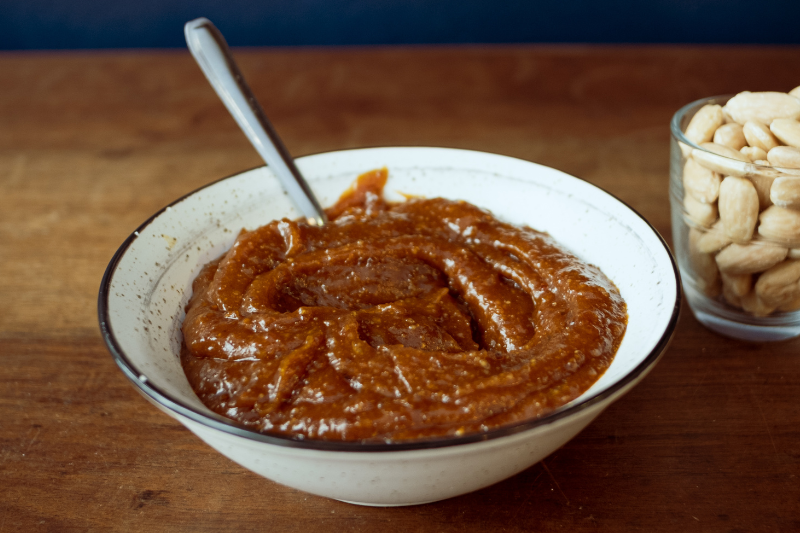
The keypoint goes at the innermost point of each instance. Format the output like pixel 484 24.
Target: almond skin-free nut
pixel 737 284
pixel 701 183
pixel 784 157
pixel 713 240
pixel 779 284
pixel 762 180
pixel 738 208
pixel 753 305
pixel 730 135
pixel 780 225
pixel 754 153
pixel 787 130
pixel 699 213
pixel 730 297
pixel 704 123
pixel 758 135
pixel 762 107
pixel 795 92
pixel 704 266
pixel 793 305
pixel 756 256
pixel 722 159
pixel 727 118
pixel 785 192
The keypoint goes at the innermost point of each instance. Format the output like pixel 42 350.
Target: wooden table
pixel 91 144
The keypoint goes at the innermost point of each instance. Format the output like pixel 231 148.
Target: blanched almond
pixel 704 123
pixel 762 179
pixel 762 107
pixel 753 305
pixel 785 192
pixel 759 135
pixel 754 153
pixel 793 305
pixel 780 225
pixel 738 208
pixel 732 298
pixel 699 213
pixel 713 240
pixel 728 119
pixel 704 267
pixel 722 159
pixel 755 256
pixel 779 284
pixel 730 135
pixel 794 253
pixel 787 130
pixel 701 183
pixel 783 157
pixel 737 284
pixel 795 92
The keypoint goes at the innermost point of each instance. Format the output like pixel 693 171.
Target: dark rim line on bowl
pixel 226 425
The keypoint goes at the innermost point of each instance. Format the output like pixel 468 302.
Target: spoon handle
pixel 211 52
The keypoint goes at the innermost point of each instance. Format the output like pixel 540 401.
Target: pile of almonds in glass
pixel 742 200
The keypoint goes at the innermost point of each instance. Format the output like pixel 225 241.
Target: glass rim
pixel 678 134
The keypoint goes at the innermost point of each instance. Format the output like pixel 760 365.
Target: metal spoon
pixel 211 52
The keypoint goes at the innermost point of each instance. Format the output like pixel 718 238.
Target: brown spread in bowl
pixel 425 318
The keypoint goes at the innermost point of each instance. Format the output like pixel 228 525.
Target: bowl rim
pixel 218 422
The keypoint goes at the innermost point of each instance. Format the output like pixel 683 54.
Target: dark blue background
pixel 49 24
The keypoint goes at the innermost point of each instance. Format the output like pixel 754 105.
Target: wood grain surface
pixel 91 144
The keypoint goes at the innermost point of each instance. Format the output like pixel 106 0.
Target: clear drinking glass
pixel 738 285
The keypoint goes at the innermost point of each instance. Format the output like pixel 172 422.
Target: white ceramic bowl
pixel 148 283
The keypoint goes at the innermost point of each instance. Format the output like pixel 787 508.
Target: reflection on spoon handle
pixel 211 52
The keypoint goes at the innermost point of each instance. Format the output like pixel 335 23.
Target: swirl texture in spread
pixel 426 318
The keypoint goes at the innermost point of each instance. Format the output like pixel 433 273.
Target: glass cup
pixel 738 253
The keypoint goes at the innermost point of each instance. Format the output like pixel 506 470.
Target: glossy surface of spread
pixel 426 318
